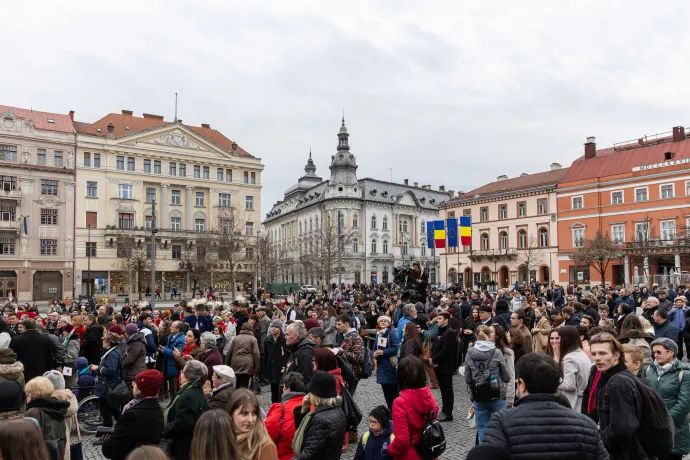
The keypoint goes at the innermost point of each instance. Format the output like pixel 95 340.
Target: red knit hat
pixel 116 330
pixel 149 382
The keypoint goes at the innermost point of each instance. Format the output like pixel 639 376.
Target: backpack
pixel 345 370
pixel 367 365
pixel 352 413
pixel 655 433
pixel 484 391
pixel 432 441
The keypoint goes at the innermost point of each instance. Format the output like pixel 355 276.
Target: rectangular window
pixel 183 170
pixel 207 172
pixel 249 205
pixel 91 219
pixel 150 194
pixel 148 250
pixel 228 175
pixel 579 274
pixel 246 177
pixel 642 231
pixel 8 183
pixel 578 202
pixel 130 164
pixel 90 249
pixel 641 194
pixel 502 212
pixel 252 178
pixel 249 228
pixel 126 220
pixel 121 163
pixel 617 197
pixel 41 157
pixel 96 160
pixel 172 169
pixel 49 187
pixel 8 213
pixel 199 225
pixel 87 159
pixel 197 172
pixel 176 251
pixel 125 192
pixel 92 189
pixel 48 247
pixel 219 174
pixel 7 246
pixel 578 237
pixel 668 231
pixel 687 188
pixel 147 166
pixel 618 233
pixel 147 222
pixel 176 224
pixel 176 197
pixel 484 214
pixel 199 198
pixel 522 209
pixel 224 200
pixel 8 153
pixel 666 191
pixel 156 167
pixel 58 159
pixel 49 217
pixel 541 207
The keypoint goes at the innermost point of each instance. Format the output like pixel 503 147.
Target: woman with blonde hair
pixel 248 435
pixel 79 328
pixel 212 439
pixel 540 331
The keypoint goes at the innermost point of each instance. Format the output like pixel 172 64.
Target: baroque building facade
pixel 379 224
pixel 198 178
pixel 37 185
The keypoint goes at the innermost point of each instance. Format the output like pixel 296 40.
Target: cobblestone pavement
pixel 460 438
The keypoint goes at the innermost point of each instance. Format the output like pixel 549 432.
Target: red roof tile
pixel 61 122
pixel 136 124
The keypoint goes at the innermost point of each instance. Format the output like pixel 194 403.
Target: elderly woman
pixel 387 344
pixel 209 352
pixel 185 408
pixel 108 375
pixel 49 413
pixel 221 386
pixel 244 356
pixel 62 394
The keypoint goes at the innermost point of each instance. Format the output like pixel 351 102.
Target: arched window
pixel 522 239
pixel 355 245
pixel 543 237
pixel 341 219
pixel 385 223
pixel 503 238
pixel 373 246
pixel 404 248
pixel 373 222
pixel 485 241
pixel 355 220
pixel 385 246
pixel 311 226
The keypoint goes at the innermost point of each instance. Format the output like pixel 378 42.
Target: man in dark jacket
pixel 624 297
pixel 141 423
pixel 199 320
pixel 542 422
pixel 444 361
pixel 663 327
pixel 301 357
pixel 274 358
pixel 93 340
pixel 34 350
pixel 503 314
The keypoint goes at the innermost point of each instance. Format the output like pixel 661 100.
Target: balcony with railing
pixel 491 253
pixel 658 246
pixel 11 194
pixel 11 225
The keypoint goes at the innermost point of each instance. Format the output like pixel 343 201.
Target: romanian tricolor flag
pixel 430 234
pixel 466 231
pixel 440 234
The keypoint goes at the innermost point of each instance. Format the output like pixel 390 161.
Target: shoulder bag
pixel 75 450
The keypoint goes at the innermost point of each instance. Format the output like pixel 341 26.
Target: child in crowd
pixel 86 379
pixel 373 445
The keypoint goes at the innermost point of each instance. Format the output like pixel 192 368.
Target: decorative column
pixel 645 270
pixel 189 209
pixel 626 270
pixel 163 214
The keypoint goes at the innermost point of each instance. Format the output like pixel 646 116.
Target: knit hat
pixel 322 385
pixel 56 379
pixel 345 305
pixel 666 343
pixel 226 373
pixel 277 323
pixel 131 329
pixel 116 330
pixel 485 308
pixel 419 306
pixel 382 414
pixel 149 382
pixel 383 318
pixel 68 328
pixel 12 397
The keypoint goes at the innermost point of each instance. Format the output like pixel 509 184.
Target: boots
pixel 352 437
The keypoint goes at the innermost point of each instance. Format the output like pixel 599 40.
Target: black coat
pixel 184 410
pixel 301 359
pixel 544 426
pixel 444 351
pixel 324 434
pixel 93 344
pixel 36 351
pixel 138 426
pixel 274 357
pixel 410 347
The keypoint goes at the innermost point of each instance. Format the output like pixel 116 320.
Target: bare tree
pixel 329 247
pixel 267 257
pixel 598 253
pixel 532 257
pixel 134 261
pixel 197 260
pixel 234 248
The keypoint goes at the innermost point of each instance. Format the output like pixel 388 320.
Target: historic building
pixel 514 237
pixel 198 178
pixel 380 225
pixel 37 157
pixel 638 193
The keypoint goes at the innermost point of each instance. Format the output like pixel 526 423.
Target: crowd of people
pixel 551 373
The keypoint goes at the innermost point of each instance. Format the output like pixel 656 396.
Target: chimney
pixel 555 166
pixel 234 146
pixel 416 184
pixel 591 147
pixel 406 181
pixel 179 120
pixel 678 133
pixel 451 193
pixel 501 177
pixel 155 117
pixel 524 174
pixel 206 125
pixel 71 115
pixel 441 188
pixel 127 112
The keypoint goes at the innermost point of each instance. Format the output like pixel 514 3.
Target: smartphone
pixel 101 430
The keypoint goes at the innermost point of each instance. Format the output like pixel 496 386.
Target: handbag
pixel 298 440
pixel 75 450
pixel 352 413
pixel 254 386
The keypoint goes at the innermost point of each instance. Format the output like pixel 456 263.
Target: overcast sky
pixel 444 93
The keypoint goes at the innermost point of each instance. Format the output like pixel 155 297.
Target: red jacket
pixel 409 410
pixel 282 435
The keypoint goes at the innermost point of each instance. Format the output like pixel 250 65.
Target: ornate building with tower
pixel 349 229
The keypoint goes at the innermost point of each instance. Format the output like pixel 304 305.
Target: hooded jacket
pixel 301 359
pixel 676 397
pixel 480 353
pixel 377 445
pixel 68 396
pixel 324 435
pixel 10 368
pixel 410 411
pixel 135 356
pixel 280 423
pixel 50 414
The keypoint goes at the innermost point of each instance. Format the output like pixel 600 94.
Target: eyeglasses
pixel 657 352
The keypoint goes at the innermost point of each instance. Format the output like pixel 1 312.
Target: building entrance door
pixel 8 283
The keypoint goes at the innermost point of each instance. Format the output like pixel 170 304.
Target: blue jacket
pixel 109 373
pixel 377 445
pixel 204 322
pixel 627 299
pixel 176 341
pixel 677 317
pixel 401 325
pixel 666 329
pixel 386 374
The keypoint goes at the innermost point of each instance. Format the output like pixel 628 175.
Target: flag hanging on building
pixel 430 234
pixel 440 234
pixel 466 231
pixel 26 228
pixel 452 225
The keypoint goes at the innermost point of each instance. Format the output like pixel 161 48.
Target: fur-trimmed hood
pixel 12 371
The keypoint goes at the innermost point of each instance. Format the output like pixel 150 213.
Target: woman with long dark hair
pixel 575 366
pixel 498 336
pixel 632 332
pixel 517 343
pixel 412 344
pixel 21 439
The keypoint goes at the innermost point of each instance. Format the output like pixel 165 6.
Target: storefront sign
pixel 663 164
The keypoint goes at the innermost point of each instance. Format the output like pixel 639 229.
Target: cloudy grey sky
pixel 452 93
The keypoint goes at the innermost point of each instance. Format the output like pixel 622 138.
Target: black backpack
pixel 345 370
pixel 656 429
pixel 432 441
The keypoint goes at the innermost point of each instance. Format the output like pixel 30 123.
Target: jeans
pixel 483 413
pixel 390 392
pixel 445 383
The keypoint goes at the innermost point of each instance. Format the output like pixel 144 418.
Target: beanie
pixel 12 397
pixel 382 414
pixel 56 379
pixel 666 343
pixel 277 323
pixel 149 382
pixel 116 330
pixel 322 384
pixel 131 329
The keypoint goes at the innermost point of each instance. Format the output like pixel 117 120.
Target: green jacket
pixel 677 399
pixel 180 418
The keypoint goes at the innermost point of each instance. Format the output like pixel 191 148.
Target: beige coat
pixel 540 335
pixel 67 395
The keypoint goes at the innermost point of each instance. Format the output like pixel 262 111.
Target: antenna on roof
pixel 175 106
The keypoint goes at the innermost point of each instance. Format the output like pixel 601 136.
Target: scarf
pixel 134 402
pixel 174 401
pixel 661 370
pixel 64 344
pixel 188 348
pixel 592 401
pixel 604 378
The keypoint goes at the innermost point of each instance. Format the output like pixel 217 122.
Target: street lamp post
pixel 88 258
pixel 154 230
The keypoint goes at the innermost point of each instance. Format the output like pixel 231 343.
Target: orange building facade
pixel 638 193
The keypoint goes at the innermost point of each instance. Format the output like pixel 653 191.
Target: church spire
pixel 310 168
pixel 342 137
